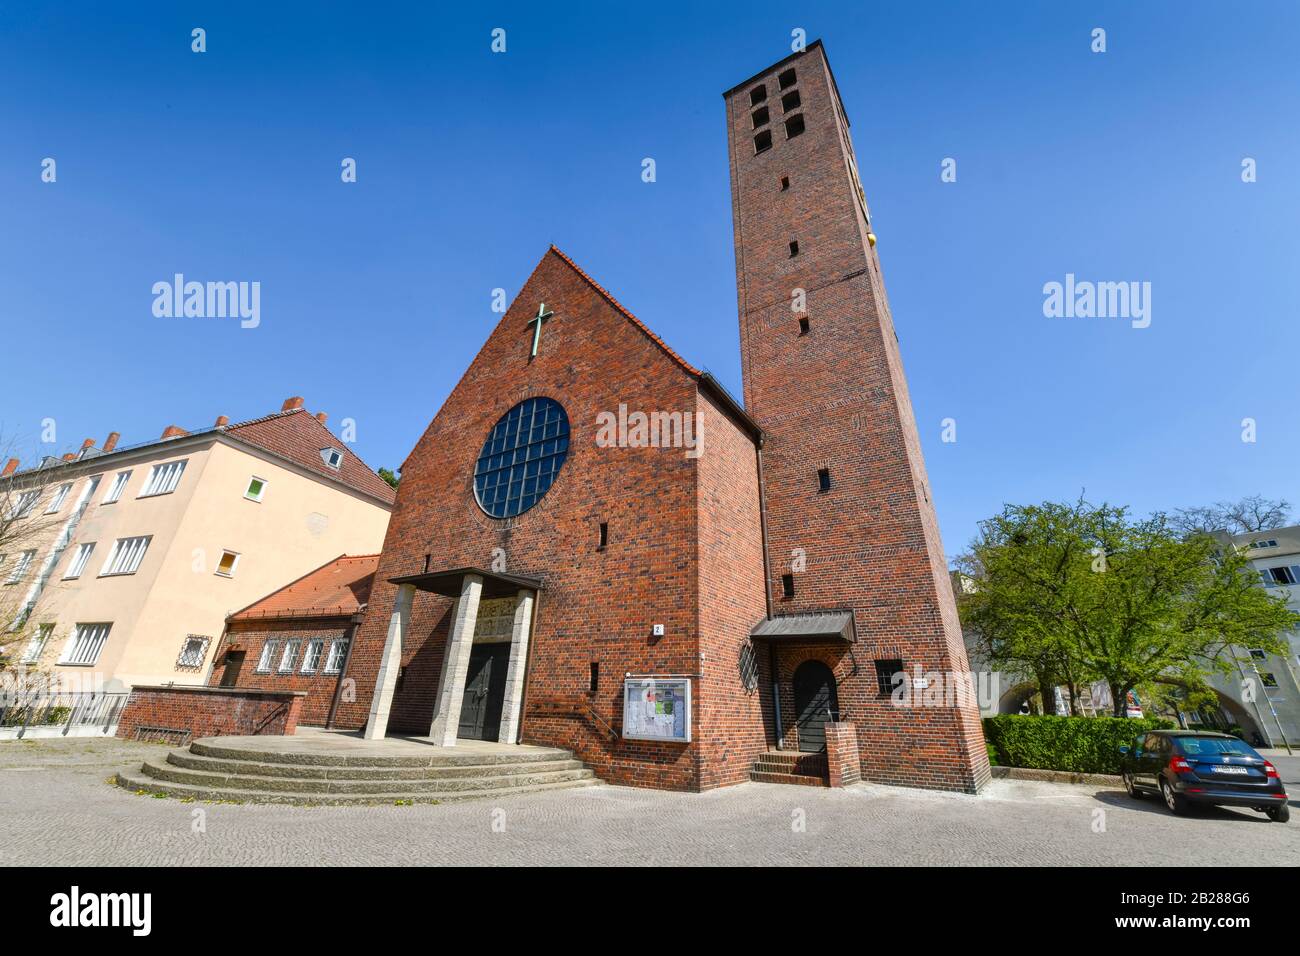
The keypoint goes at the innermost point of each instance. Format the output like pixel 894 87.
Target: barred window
pixel 56 502
pixel 79 560
pixel 117 487
pixel 21 567
pixel 193 650
pixel 885 674
pixel 163 478
pixel 86 643
pixel 126 555
pixel 36 645
pixel 24 505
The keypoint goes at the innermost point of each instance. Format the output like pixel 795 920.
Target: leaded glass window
pixel 521 457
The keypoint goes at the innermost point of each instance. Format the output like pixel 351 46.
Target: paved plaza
pixel 56 807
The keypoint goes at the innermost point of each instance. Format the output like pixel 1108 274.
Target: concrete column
pixel 511 709
pixel 455 663
pixel 390 664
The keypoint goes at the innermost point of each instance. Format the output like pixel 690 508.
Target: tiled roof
pixel 298 435
pixel 338 589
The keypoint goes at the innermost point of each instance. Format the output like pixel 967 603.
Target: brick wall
pixel 871 542
pixel 211 712
pixel 596 605
pixel 844 766
pixel 250 636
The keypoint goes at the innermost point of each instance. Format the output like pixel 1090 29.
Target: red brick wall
pixel 208 712
pixel 843 763
pixel 872 541
pixel 732 729
pixel 596 605
pixel 251 635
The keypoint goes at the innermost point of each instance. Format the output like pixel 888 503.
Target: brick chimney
pixel 291 403
pixel 222 421
pixel 88 443
pixel 10 467
pixel 111 441
pixel 70 456
pixel 174 431
pixel 321 417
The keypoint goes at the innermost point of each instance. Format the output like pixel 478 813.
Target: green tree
pixel 1083 592
pixel 389 477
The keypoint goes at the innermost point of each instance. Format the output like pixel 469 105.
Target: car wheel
pixel 1131 787
pixel 1279 814
pixel 1176 802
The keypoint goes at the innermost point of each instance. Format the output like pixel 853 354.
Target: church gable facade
pixel 595 547
pixel 659 468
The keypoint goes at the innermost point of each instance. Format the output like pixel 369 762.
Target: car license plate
pixel 1240 770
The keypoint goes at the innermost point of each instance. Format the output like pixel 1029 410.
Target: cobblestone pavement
pixel 57 808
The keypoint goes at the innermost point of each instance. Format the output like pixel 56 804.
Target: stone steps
pixel 137 781
pixel 262 768
pixel 437 756
pixel 235 770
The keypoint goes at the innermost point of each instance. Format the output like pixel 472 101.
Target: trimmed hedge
pixel 1077 744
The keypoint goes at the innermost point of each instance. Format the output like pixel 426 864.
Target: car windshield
pixel 1197 746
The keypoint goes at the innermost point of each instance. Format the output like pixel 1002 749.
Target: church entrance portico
pixel 481 683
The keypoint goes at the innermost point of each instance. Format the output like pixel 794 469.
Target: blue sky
pixel 376 295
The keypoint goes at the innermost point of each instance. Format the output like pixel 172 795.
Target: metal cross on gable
pixel 536 321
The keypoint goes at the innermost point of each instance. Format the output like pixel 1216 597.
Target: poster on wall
pixel 657 708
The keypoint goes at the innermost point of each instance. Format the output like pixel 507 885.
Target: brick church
pixel 595 546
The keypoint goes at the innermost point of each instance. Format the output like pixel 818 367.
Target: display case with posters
pixel 657 708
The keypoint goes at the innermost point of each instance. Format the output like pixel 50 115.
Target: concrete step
pixel 170 773
pixel 136 781
pixel 261 768
pixel 437 756
pixel 762 776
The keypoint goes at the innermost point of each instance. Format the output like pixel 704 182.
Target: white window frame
pixel 1270 579
pixel 36 645
pixel 80 558
pixel 248 491
pixel 85 644
pixel 117 487
pixel 163 478
pixel 329 452
pixel 311 657
pixel 288 656
pixel 194 661
pixel 338 654
pixel 266 660
pixel 233 564
pixel 127 556
pixel 25 560
pixel 24 505
pixel 56 502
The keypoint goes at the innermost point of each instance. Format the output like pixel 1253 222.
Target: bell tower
pixel 850 522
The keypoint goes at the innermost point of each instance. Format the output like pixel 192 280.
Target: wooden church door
pixel 815 699
pixel 485 692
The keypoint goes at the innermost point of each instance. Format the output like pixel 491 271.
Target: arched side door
pixel 815 698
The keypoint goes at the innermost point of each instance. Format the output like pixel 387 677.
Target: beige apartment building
pixel 143 551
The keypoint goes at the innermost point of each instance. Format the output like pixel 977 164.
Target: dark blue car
pixel 1189 766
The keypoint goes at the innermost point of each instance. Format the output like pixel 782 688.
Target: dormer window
pixel 332 457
